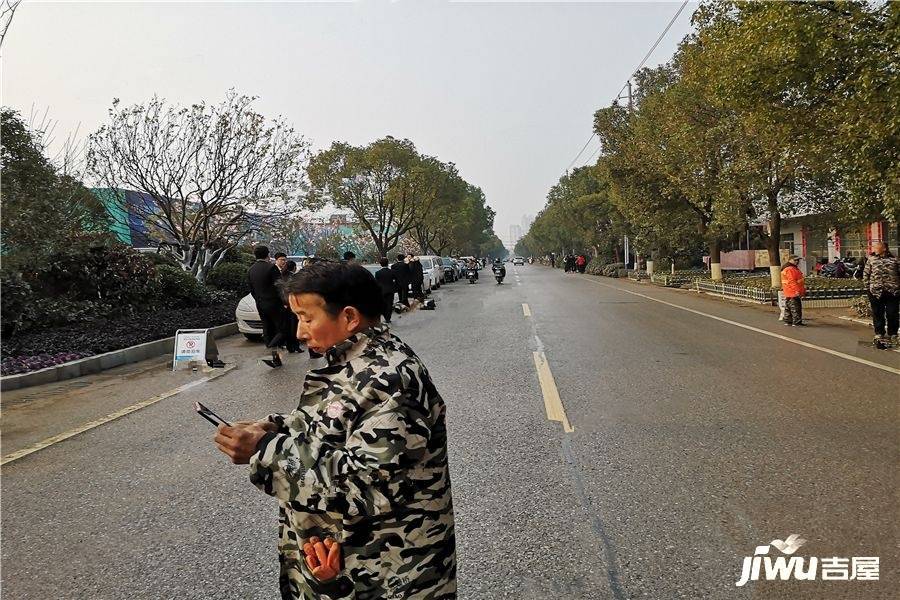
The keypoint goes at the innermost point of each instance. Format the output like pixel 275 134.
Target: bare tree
pixel 7 10
pixel 211 174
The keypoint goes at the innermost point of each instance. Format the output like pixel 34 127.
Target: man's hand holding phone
pixel 239 441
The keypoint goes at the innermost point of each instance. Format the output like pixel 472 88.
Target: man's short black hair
pixel 383 262
pixel 280 255
pixel 400 257
pixel 340 285
pixel 349 255
pixel 261 252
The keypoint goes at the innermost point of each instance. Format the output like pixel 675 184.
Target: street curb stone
pixel 102 362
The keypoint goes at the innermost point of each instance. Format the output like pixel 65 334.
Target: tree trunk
pixel 715 260
pixel 773 244
pixel 651 262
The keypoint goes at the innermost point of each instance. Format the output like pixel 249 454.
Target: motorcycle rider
pixel 499 269
pixel 472 267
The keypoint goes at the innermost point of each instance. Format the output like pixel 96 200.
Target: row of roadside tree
pixel 203 179
pixel 767 110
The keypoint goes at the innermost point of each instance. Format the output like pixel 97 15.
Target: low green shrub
pixel 14 300
pixel 161 258
pixel 612 269
pixel 229 276
pixel 594 267
pixel 94 269
pixel 46 313
pixel 176 288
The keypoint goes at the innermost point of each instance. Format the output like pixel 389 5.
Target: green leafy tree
pixel 43 208
pixel 387 185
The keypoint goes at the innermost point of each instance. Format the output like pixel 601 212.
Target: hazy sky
pixel 504 90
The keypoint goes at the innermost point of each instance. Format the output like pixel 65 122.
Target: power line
pixel 655 44
pixel 581 151
pixel 595 153
pixel 643 61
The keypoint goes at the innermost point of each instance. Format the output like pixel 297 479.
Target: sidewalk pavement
pixel 825 327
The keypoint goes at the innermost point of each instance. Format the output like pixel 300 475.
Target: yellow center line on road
pixel 526 310
pixel 552 402
pixel 110 417
pixel 837 353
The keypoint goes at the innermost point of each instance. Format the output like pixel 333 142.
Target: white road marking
pixel 526 309
pixel 843 355
pixel 110 417
pixel 552 401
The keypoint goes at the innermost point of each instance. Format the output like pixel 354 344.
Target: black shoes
pixel 273 362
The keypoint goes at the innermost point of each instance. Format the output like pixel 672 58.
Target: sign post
pixel 194 346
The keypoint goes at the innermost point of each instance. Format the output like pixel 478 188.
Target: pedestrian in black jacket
pixel 289 321
pixel 417 277
pixel 263 278
pixel 388 284
pixel 402 275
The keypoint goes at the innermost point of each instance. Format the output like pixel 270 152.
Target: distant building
pixel 515 234
pixel 527 220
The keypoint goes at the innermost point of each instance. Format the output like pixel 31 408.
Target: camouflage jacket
pixel 881 274
pixel 363 459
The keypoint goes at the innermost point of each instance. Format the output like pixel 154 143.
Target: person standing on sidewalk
pixel 388 284
pixel 794 288
pixel 402 276
pixel 263 278
pixel 881 278
pixel 417 278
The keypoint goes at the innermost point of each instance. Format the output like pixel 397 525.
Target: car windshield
pixel 426 263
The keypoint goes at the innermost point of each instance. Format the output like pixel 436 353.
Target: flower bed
pixel 759 288
pixel 33 350
pixel 678 278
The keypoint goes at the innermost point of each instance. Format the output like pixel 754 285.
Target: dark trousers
pixel 885 310
pixel 417 289
pixel 289 331
pixel 793 311
pixel 388 309
pixel 271 317
pixel 403 292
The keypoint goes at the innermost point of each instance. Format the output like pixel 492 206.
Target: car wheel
pixel 253 337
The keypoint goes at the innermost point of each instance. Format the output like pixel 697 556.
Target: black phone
pixel 210 415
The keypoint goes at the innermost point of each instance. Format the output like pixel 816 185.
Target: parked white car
pixel 433 272
pixel 248 320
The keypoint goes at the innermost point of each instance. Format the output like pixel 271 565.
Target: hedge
pixel 229 276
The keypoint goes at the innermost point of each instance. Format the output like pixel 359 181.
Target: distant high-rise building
pixel 527 220
pixel 515 234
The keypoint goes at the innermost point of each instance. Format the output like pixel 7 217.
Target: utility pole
pixel 630 110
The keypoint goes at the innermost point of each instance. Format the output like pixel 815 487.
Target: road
pixel 687 432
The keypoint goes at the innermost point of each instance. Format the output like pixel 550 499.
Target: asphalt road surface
pixel 608 440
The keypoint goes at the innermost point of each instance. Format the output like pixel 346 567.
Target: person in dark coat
pixel 388 284
pixel 289 321
pixel 417 277
pixel 263 278
pixel 402 276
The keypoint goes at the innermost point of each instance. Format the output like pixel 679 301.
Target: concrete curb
pixel 102 362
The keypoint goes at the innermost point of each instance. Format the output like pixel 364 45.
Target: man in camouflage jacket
pixel 881 277
pixel 362 460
